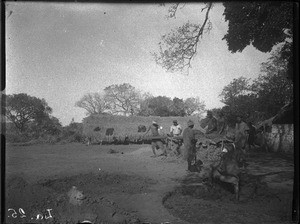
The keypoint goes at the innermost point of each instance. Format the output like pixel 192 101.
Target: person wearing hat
pixel 156 143
pixel 175 129
pixel 189 142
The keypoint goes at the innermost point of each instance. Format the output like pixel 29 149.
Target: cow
pixel 142 128
pixel 228 168
pixel 109 131
pixel 260 138
pixel 97 129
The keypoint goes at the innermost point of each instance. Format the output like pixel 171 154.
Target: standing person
pixel 175 131
pixel 251 135
pixel 241 133
pixel 189 142
pixel 156 143
pixel 221 124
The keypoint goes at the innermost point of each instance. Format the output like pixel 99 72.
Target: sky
pixel 61 51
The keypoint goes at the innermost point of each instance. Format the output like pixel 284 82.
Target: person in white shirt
pixel 175 129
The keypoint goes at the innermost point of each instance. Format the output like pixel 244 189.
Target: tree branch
pixel 180 46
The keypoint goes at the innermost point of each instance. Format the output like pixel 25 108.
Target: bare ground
pixel 123 184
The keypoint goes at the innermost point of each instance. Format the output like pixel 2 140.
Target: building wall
pixel 281 138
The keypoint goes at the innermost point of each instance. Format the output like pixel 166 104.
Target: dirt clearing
pixel 95 205
pixel 128 186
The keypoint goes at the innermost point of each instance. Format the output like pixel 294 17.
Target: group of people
pixel 210 127
pixel 157 143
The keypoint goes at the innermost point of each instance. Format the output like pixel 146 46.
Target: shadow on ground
pixel 195 199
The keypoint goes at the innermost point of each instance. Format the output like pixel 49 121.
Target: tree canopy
pixel 160 106
pixel 93 103
pixel 193 105
pixel 262 98
pixel 178 47
pixel 122 99
pixel 234 89
pixel 21 109
pixel 272 87
pixel 165 106
pixel 262 24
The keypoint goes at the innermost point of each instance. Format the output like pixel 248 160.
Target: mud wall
pixel 95 126
pixel 281 138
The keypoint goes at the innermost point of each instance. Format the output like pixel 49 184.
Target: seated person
pixel 209 124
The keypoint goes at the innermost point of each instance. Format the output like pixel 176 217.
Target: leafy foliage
pixel 21 109
pixel 177 48
pixel 126 100
pixel 273 88
pixel 29 120
pixel 262 24
pixel 93 103
pixel 165 106
pixel 264 97
pixel 234 89
pixel 48 126
pixel 160 106
pixel 145 110
pixel 122 99
pixel 73 132
pixel 194 105
pixel 178 107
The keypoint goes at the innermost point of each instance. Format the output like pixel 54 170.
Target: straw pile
pixel 129 125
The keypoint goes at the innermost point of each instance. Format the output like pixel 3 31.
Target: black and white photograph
pixel 150 113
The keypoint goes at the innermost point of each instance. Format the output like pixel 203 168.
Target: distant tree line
pixel 29 119
pixel 124 99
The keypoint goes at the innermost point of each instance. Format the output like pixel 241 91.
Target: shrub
pixel 16 138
